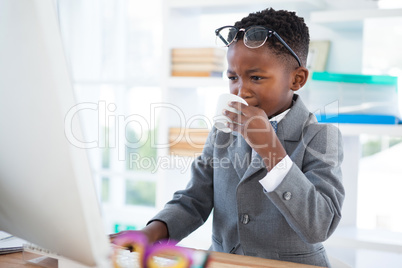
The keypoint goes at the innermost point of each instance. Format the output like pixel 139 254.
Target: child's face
pixel 259 77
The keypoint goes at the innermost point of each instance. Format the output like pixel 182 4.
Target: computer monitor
pixel 47 193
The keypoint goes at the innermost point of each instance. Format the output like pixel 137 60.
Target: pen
pixel 6 238
pixel 234 249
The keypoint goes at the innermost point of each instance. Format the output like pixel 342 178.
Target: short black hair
pixel 288 25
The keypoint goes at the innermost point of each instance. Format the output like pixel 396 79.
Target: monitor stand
pixel 43 258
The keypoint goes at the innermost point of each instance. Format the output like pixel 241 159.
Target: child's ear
pixel 299 78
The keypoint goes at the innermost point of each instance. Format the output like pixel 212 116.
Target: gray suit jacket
pixel 287 224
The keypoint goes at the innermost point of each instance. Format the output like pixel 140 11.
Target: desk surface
pixel 218 260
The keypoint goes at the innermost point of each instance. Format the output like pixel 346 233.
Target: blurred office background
pixel 119 52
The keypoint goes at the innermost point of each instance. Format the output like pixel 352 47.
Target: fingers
pixel 235 127
pixel 112 237
pixel 236 116
pixel 238 106
pixel 248 120
pixel 239 117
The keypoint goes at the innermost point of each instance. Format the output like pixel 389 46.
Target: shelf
pixel 356 78
pixel 381 130
pixel 240 3
pixel 194 82
pixel 351 19
pixel 225 6
pixel 352 237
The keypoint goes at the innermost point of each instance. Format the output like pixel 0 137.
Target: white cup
pixel 221 120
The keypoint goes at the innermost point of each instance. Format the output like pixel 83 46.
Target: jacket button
pixel 245 219
pixel 287 195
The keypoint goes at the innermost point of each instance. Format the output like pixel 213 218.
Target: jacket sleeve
pixel 311 195
pixel 190 208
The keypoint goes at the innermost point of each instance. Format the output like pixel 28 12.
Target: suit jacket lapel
pixel 291 127
pixel 256 164
pixel 239 153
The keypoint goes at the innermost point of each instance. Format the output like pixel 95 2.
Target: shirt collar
pixel 280 116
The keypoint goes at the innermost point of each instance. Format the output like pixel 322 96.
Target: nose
pixel 243 90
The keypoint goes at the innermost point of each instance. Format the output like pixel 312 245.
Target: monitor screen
pixel 47 193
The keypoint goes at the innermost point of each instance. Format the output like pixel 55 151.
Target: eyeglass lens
pixel 255 37
pixel 226 36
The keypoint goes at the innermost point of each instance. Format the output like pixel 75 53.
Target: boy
pixel 275 194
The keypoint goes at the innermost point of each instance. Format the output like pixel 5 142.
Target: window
pixel 114 50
